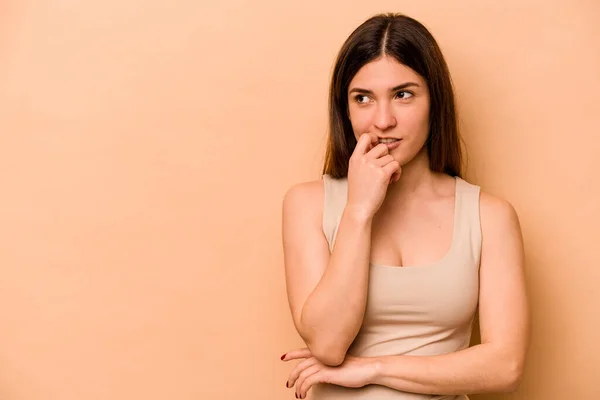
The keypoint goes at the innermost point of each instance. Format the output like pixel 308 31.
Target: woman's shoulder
pixel 305 195
pixel 493 209
pixel 497 213
pixel 314 190
pixel 306 190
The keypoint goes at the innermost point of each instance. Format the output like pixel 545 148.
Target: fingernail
pixel 296 394
pixel 286 384
pixel 283 356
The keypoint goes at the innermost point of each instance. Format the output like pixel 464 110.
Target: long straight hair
pixel 411 44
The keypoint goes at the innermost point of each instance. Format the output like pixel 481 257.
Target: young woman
pixel 390 255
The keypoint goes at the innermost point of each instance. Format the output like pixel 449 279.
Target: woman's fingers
pixel 391 167
pixel 296 354
pixel 301 387
pixel 378 151
pixel 365 143
pixel 380 162
pixel 297 371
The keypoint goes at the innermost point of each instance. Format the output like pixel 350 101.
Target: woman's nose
pixel 384 117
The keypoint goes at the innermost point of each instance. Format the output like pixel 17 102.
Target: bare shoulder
pixel 306 196
pixel 499 219
pixel 497 210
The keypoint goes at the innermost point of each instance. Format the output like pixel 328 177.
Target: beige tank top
pixel 413 310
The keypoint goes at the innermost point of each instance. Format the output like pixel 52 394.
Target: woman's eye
pixel 404 95
pixel 362 99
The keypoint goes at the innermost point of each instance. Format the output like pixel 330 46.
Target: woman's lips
pixel 393 145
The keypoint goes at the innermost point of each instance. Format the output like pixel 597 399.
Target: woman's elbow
pixel 511 378
pixel 329 355
pixel 331 360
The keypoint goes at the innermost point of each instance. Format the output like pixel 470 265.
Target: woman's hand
pixel 371 170
pixel 354 372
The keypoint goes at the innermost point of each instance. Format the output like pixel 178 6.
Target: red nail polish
pixel 286 384
pixel 283 356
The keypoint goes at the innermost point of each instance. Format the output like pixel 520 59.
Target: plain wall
pixel 145 148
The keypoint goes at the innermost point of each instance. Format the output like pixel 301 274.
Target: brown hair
pixel 411 44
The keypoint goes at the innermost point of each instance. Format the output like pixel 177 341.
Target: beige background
pixel 145 147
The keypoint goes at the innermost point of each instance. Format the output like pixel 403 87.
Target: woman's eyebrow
pixel 394 89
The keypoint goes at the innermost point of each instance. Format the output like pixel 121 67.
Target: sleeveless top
pixel 413 310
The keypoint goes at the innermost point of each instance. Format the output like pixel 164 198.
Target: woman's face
pixel 392 101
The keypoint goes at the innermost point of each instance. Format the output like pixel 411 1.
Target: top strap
pixel 470 217
pixel 334 202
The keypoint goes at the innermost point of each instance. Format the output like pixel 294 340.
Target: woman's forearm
pixel 478 369
pixel 334 311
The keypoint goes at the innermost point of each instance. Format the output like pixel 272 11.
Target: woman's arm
pixel 319 285
pixel 495 365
